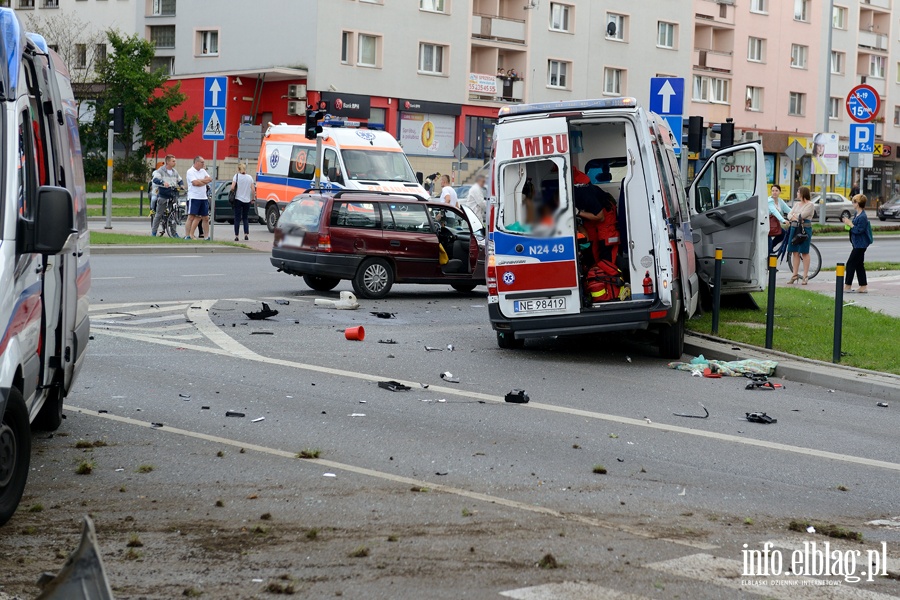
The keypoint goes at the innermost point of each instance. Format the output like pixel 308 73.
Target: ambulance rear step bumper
pixel 625 319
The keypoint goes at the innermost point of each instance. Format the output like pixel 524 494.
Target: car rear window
pixel 365 215
pixel 303 212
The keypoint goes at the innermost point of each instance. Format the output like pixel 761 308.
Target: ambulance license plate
pixel 539 305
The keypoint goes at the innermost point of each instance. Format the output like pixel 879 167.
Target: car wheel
pixel 507 341
pixel 845 215
pixel 880 218
pixel 50 416
pixel 671 339
pixel 464 287
pixel 15 454
pixel 321 284
pixel 272 217
pixel 373 279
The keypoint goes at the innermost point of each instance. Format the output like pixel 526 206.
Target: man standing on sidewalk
pixel 197 199
pixel 475 199
pixel 166 180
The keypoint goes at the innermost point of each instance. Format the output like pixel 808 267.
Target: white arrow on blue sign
pixel 215 92
pixel 862 138
pixel 667 95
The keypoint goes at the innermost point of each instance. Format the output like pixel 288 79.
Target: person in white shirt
pixel 197 199
pixel 475 199
pixel 448 194
pixel 245 191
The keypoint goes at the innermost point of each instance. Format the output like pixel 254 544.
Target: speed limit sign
pixel 863 103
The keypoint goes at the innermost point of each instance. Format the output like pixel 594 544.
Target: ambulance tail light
pixel 658 314
pixel 492 276
pixel 324 244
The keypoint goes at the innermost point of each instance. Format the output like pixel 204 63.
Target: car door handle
pixel 395 243
pixel 718 217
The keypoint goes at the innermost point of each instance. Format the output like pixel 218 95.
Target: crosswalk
pixel 166 320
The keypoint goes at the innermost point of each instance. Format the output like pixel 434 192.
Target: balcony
pixel 886 4
pixel 876 41
pixel 713 60
pixel 496 88
pixel 501 29
pixel 877 83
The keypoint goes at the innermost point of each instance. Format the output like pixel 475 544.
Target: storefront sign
pixel 347 105
pixel 434 108
pixel 481 83
pixel 427 134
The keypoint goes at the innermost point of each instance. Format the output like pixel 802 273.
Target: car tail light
pixel 492 276
pixel 324 244
pixel 658 314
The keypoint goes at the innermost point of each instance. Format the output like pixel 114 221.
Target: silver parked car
pixel 836 206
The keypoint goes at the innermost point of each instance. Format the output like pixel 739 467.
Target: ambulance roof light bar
pixel 332 122
pixel 567 106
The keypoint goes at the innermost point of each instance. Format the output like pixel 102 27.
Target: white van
pixel 44 254
pixel 356 158
pixel 659 243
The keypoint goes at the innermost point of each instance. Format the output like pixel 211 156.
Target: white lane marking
pixel 139 321
pixel 164 305
pixel 152 330
pixel 230 346
pixel 146 311
pixel 337 466
pixel 106 278
pixel 204 275
pixel 178 256
pixel 727 573
pixel 893 564
pixel 570 590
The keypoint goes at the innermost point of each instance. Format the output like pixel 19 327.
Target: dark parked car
pixel 890 209
pixel 378 239
pixel 224 212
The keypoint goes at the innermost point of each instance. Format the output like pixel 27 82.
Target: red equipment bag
pixel 604 282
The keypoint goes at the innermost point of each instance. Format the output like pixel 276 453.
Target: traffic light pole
pixel 320 161
pixel 110 141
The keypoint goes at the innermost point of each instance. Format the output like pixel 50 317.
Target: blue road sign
pixel 667 95
pixel 213 123
pixel 676 124
pixel 215 92
pixel 862 138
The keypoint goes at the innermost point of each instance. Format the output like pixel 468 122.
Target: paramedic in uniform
pixel 598 218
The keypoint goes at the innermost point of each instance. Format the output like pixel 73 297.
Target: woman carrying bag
pixel 800 219
pixel 243 190
pixel 860 239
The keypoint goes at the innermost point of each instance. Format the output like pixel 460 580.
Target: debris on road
pixel 282 302
pixel 262 332
pixel 627 359
pixel 232 413
pixel 517 397
pixel 388 341
pixel 882 404
pixel 258 419
pixel 348 301
pixel 383 315
pixel 83 576
pixel 393 386
pixel 355 334
pixel 430 349
pixel 157 425
pixel 449 378
pixel 734 368
pixel 706 416
pixel 760 417
pixel 259 315
pixel 683 492
pixel 762 382
pixel 185 396
pixel 450 347
pixel 711 372
pixel 328 475
pixel 357 415
pixel 424 385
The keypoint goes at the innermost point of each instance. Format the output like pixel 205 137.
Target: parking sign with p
pixel 862 138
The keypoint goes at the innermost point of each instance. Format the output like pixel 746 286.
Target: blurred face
pixel 445 181
pixel 776 191
pixel 170 163
pixel 480 181
pixel 198 164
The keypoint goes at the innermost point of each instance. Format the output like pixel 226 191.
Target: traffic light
pixel 119 119
pixel 695 134
pixel 725 132
pixel 314 117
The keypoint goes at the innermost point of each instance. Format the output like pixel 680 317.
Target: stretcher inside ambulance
pixel 591 230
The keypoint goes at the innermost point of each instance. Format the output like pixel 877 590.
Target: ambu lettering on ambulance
pixel 540 145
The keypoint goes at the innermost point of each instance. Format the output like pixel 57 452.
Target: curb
pixel 874 384
pixel 108 249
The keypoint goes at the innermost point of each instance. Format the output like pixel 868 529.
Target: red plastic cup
pixel 355 333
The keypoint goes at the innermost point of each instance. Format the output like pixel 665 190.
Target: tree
pixel 126 79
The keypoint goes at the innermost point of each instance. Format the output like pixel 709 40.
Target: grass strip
pixel 102 238
pixel 804 326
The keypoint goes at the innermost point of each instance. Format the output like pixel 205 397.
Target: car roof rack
pixel 341 192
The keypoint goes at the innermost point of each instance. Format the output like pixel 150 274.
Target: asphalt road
pixel 506 483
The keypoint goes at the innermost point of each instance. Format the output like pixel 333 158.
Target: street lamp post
pixel 829 21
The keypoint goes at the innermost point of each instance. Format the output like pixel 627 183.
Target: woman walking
pixel 860 238
pixel 800 219
pixel 245 191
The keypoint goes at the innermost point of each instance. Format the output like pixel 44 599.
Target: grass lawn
pixel 804 326
pixel 102 238
pixel 120 211
pixel 96 187
pixel 875 265
pixel 838 230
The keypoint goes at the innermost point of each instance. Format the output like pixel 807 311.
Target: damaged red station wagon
pixel 377 239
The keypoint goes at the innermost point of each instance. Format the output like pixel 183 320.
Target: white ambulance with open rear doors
pixel 660 248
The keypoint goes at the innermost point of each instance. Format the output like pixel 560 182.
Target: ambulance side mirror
pixel 420 178
pixel 53 222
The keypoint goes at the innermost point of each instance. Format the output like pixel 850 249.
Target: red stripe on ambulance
pixel 539 145
pixel 536 276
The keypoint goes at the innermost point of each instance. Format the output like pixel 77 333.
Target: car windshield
pixel 893 201
pixel 303 212
pixel 378 165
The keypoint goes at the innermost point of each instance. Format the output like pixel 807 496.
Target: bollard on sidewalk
pixel 141 209
pixel 770 308
pixel 717 292
pixel 838 312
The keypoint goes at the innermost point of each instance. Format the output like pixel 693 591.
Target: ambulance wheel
pixel 271 217
pixel 463 287
pixel 373 279
pixel 321 284
pixel 508 341
pixel 15 454
pixel 671 339
pixel 50 416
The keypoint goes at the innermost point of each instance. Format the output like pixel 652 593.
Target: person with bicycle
pixel 167 181
pixel 800 233
pixel 779 209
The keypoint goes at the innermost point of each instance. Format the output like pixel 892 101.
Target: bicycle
pixel 171 216
pixel 784 257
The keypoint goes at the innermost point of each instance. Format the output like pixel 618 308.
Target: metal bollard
pixel 717 292
pixel 838 312
pixel 141 209
pixel 770 307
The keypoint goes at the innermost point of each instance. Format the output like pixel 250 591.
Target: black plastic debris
pixel 449 378
pixel 706 416
pixel 102 411
pixel 882 404
pixel 430 349
pixel 232 413
pixel 393 386
pixel 383 315
pixel 204 408
pixel 441 473
pixel 387 342
pixel 762 382
pixel 262 332
pixel 517 397
pixel 282 302
pixel 760 417
pixel 185 396
pixel 157 425
pixel 259 315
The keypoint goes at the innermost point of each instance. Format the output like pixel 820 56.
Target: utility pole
pixel 829 16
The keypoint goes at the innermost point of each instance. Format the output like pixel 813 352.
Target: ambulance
pixel 558 165
pixel 44 253
pixel 356 157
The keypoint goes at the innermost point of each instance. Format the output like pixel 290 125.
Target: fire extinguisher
pixel 648 284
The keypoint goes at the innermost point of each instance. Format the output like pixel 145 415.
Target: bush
pixel 94 168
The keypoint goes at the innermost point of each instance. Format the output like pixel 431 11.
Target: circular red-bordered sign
pixel 863 103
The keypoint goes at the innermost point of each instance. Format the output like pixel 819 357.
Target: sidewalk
pixel 883 296
pixel 260 238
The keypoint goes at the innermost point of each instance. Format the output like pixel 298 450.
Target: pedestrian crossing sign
pixel 213 124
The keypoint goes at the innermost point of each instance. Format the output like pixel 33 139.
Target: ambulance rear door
pixel 533 240
pixel 729 210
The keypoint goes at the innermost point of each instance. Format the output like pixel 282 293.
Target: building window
pixel 759 6
pixel 433 5
pixel 797 104
pixel 801 10
pixel 798 56
pixel 26 3
pixel 367 55
pixel 164 63
pixel 556 74
pixel 754 98
pixel 612 81
pixel 208 43
pixel 559 16
pixel 99 53
pixel 665 35
pixel 897 116
pixel 615 27
pixel 80 56
pixel 163 8
pixel 839 17
pixel 51 4
pixel 834 108
pixel 837 63
pixel 877 66
pixel 756 49
pixel 163 36
pixel 710 89
pixel 431 59
pixel 346 38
